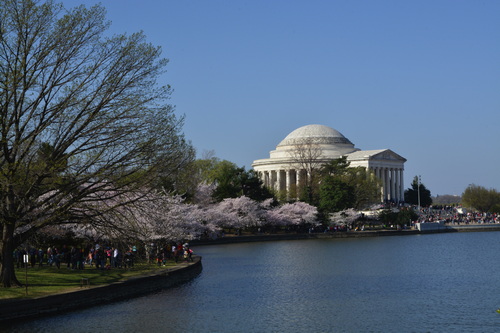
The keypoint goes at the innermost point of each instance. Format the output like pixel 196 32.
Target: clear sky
pixel 421 78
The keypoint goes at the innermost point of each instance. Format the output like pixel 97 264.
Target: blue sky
pixel 421 78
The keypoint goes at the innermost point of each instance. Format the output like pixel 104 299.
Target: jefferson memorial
pixel 283 170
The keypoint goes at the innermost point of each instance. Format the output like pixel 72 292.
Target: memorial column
pixel 287 183
pixel 393 184
pixel 397 191
pixel 278 180
pixel 386 184
pixel 297 183
pixel 401 185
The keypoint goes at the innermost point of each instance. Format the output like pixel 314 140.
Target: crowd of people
pixel 171 251
pixel 74 257
pixel 456 215
pixel 99 257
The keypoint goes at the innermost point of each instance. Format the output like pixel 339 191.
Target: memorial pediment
pixel 376 155
pixel 388 155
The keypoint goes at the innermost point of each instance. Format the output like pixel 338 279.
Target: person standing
pixel 116 258
pixel 40 257
pixel 109 256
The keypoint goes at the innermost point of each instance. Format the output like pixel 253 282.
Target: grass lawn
pixel 50 280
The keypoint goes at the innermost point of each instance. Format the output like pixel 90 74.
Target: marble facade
pixel 318 144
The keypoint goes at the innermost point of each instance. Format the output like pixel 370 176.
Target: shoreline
pixel 348 234
pixel 142 285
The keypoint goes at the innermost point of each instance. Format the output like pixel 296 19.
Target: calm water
pixel 424 283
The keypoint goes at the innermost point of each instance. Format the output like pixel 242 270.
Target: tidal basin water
pixel 421 283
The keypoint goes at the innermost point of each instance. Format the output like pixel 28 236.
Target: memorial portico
pixel 284 173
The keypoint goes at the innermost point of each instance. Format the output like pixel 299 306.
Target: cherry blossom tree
pixel 162 216
pixel 345 218
pixel 293 214
pixel 243 212
pixel 203 194
pixel 150 217
pixel 156 217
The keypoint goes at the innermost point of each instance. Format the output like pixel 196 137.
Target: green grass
pixel 47 280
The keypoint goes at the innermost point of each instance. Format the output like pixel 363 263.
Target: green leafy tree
pixel 365 185
pixel 336 167
pixel 345 187
pixel 335 195
pixel 228 179
pixel 481 198
pixel 232 181
pixel 417 188
pixel 204 169
pixel 82 117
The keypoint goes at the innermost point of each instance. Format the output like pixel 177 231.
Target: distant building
pixel 283 170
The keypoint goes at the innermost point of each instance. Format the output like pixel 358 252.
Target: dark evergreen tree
pixel 253 187
pixel 417 188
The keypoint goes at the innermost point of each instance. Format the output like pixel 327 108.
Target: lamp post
pixel 418 192
pixel 26 261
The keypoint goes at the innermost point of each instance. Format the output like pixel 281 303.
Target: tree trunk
pixel 7 271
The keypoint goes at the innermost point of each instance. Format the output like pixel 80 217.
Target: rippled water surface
pixel 422 283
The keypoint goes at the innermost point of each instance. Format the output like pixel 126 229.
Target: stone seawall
pixel 435 227
pixel 474 227
pixel 298 236
pixel 350 234
pixel 92 296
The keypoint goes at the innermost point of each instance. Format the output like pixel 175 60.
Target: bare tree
pixel 306 157
pixel 82 118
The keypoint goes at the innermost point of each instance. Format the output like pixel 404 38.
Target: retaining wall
pixel 88 297
pixel 298 236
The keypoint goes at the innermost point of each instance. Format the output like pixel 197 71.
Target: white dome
pixel 308 147
pixel 319 134
pixel 331 142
